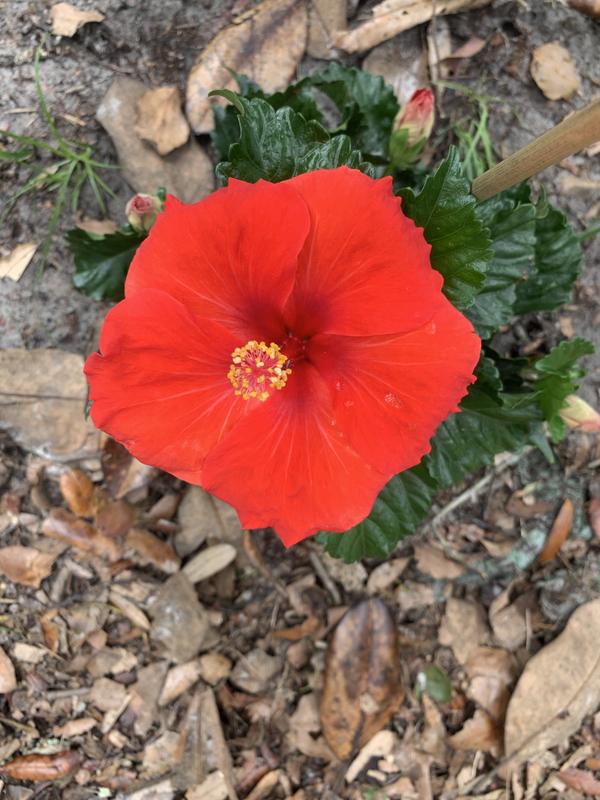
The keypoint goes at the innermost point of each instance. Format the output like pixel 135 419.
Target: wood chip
pixel 214 667
pixel 432 561
pixel 150 549
pixel 28 653
pixel 67 19
pixel 179 679
pixel 266 46
pixel 160 120
pixel 209 562
pixel 129 609
pixel 74 727
pixel 15 263
pixel 554 72
pixel 382 744
pixel 214 787
pixel 254 672
pixel 385 575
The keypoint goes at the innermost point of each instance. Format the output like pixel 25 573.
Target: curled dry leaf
pixel 160 120
pixel 560 530
pixel 15 263
pixel 362 688
pixel 79 492
pixel 39 767
pixel 65 527
pixel 394 16
pixel 8 679
pixel 554 72
pixel 559 686
pixel 66 19
pixel 25 565
pixel 266 46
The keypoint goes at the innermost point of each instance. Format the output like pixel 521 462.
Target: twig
pixel 325 577
pixel 577 131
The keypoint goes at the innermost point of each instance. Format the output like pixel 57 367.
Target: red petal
pixel 364 268
pixel 231 258
pixel 391 392
pixel 290 468
pixel 160 386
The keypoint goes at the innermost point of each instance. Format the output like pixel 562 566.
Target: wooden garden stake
pixel 573 134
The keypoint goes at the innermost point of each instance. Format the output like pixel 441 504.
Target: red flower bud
pixel 417 116
pixel 142 211
pixel 580 416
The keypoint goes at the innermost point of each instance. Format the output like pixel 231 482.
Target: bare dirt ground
pixel 127 665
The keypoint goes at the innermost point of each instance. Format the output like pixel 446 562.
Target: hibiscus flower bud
pixel 412 127
pixel 580 416
pixel 142 211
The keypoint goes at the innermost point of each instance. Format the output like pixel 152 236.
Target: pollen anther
pixel 257 369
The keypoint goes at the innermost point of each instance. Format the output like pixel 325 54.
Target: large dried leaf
pixel 64 526
pixel 67 19
pixel 40 767
pixel 25 565
pixel 267 47
pixel 558 688
pixel 160 120
pixel 362 678
pixel 42 402
pixel 16 262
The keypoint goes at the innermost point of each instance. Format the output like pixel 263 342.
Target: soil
pixel 157 41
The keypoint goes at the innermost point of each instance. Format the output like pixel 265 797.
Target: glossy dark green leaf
pixel 558 375
pixel 558 259
pixel 435 682
pixel 460 243
pixel 276 145
pixel 490 422
pixel 401 506
pixel 512 231
pixel 102 261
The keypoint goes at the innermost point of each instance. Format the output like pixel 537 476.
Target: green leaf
pixel 276 145
pixel 401 506
pixel 460 243
pixel 557 377
pixel 102 261
pixel 512 230
pixel 435 682
pixel 490 422
pixel 558 259
pixel 366 104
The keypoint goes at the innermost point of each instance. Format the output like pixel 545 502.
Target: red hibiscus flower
pixel 286 346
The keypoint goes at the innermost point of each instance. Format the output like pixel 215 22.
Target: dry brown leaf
pixel 480 732
pixel 75 727
pixel 25 565
pixel 382 744
pixel 267 47
pixel 8 679
pixel 384 575
pixel 43 403
pixel 214 787
pixel 589 7
pixel 178 680
pixel 559 686
pixel 560 530
pixel 491 672
pixel 66 527
pixel 209 562
pixel 99 226
pixel 255 671
pixel 38 767
pixel 122 472
pixel 160 120
pixel 79 492
pixel 394 16
pixel 463 628
pixel 152 550
pixel 67 19
pixel 362 686
pixel 15 263
pixel 214 667
pixel 304 727
pixel 432 561
pixel 581 780
pixel 129 609
pixel 554 72
pixel 115 519
pixel 326 18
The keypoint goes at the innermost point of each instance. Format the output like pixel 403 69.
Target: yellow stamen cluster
pixel 257 369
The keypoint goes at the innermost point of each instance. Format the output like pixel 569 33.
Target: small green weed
pixel 71 166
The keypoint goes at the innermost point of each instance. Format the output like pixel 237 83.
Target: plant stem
pixel 573 134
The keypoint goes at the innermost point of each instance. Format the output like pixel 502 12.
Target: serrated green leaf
pixel 102 261
pixel 557 377
pixel 276 145
pixel 512 231
pixel 558 259
pixel 401 506
pixel 460 243
pixel 490 422
pixel 366 104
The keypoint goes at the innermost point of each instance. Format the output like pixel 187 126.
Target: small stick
pixel 577 131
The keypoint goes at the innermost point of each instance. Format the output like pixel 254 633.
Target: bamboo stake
pixel 573 134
